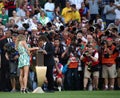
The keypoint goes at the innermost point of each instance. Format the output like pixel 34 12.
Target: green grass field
pixel 64 94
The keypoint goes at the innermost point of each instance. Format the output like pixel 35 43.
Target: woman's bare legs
pixel 23 79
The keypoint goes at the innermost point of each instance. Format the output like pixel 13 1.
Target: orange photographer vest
pixel 73 62
pixel 111 59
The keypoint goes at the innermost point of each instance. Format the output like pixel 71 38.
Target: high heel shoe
pixel 26 91
pixel 22 90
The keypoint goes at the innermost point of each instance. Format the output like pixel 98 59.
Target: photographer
pixel 57 74
pixel 90 58
pixel 117 42
pixel 12 57
pixel 108 63
pixel 72 72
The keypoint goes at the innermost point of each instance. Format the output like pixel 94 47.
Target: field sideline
pixel 64 94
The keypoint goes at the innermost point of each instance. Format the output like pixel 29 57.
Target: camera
pixel 79 40
pixel 71 48
pixel 104 42
pixel 108 33
pixel 62 28
pixel 106 55
pixel 86 53
pixel 9 48
pixel 26 26
pixel 92 29
pixel 49 25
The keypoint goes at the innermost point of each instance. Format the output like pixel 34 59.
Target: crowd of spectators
pixel 85 35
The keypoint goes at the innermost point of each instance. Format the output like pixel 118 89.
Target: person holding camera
pixel 117 42
pixel 90 57
pixel 109 55
pixel 57 74
pixel 118 62
pixel 72 71
pixel 12 57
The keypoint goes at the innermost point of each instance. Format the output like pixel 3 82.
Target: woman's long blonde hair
pixel 20 37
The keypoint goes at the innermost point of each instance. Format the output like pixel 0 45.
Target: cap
pixel 109 39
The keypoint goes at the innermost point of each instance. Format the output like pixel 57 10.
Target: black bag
pixel 94 68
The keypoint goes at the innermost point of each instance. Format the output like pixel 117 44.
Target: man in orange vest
pixel 108 64
pixel 72 71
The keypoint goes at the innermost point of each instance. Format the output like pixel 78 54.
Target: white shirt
pixel 96 55
pixel 9 40
pixel 21 13
pixel 117 12
pixel 117 2
pixel 77 3
pixel 44 45
pixel 49 6
pixel 84 39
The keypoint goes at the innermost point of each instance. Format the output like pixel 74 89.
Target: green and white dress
pixel 24 58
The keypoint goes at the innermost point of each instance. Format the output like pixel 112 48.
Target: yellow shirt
pixel 67 14
pixel 1 6
pixel 76 16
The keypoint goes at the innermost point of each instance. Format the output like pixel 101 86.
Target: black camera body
pixel 25 25
pixel 106 55
pixel 104 42
pixel 86 53
pixel 10 50
pixel 108 33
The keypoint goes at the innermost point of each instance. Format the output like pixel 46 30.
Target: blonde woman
pixel 23 61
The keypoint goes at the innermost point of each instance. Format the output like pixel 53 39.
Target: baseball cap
pixel 109 39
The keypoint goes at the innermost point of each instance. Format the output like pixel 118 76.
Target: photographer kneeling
pixel 91 60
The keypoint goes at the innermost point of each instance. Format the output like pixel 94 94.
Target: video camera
pixel 9 48
pixel 86 53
